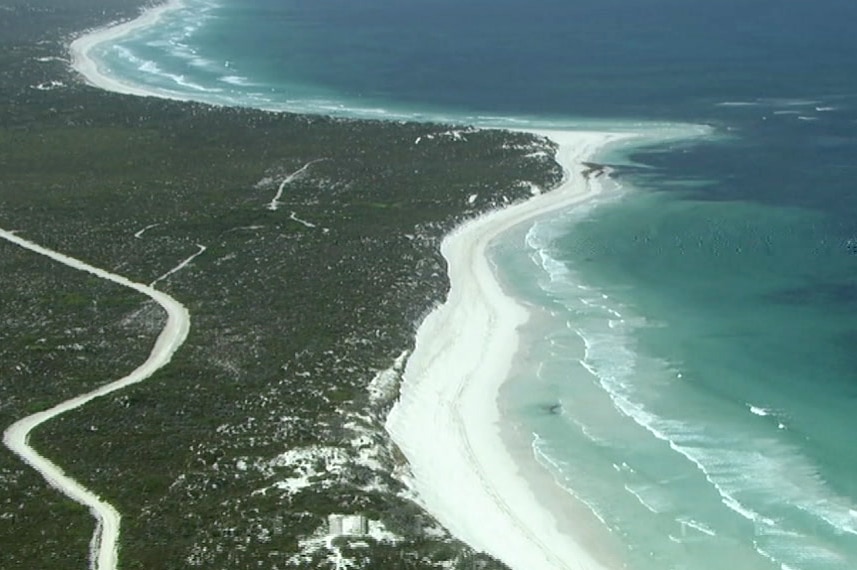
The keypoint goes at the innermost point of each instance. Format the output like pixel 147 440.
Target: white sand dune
pixel 446 421
pixel 104 547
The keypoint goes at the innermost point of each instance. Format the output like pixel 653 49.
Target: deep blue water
pixel 701 329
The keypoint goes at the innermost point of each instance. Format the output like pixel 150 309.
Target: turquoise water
pixel 720 406
pixel 700 320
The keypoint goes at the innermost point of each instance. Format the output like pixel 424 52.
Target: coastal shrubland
pixel 263 425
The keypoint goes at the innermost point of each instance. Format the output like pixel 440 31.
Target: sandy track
pixel 275 202
pixel 201 249
pixel 104 547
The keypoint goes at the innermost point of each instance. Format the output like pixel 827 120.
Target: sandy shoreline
pixel 447 419
pixel 87 67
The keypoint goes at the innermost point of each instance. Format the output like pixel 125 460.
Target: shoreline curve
pixel 87 67
pixel 446 421
pixel 104 548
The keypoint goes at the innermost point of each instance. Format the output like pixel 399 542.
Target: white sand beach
pixel 87 67
pixel 447 419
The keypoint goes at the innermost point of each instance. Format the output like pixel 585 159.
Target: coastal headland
pixel 263 424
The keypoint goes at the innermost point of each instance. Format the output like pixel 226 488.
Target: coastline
pixel 571 522
pixel 87 67
pixel 447 420
pixel 496 510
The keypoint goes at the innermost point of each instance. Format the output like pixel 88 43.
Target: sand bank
pixel 446 421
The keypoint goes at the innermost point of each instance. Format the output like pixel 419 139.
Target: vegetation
pixel 232 456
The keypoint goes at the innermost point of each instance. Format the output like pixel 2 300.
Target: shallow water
pixel 717 335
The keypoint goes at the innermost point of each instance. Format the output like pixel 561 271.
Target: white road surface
pixel 104 546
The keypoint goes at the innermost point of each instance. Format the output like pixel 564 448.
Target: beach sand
pixel 447 420
pixel 87 67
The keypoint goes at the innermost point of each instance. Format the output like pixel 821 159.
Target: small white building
pixel 347 525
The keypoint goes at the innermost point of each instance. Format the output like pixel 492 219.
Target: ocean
pixel 692 373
